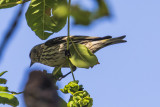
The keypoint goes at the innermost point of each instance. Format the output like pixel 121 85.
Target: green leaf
pixel 3 81
pixel 9 3
pixel 102 10
pixel 81 56
pixel 80 16
pixel 4 89
pixel 57 72
pixel 9 99
pixel 85 17
pixel 3 73
pixel 40 19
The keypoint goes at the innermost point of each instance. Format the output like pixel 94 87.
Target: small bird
pixel 52 52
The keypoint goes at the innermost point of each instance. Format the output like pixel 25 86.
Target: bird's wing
pixel 54 41
pixel 63 39
pixel 89 38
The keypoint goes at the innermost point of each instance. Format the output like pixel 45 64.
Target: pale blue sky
pixel 128 74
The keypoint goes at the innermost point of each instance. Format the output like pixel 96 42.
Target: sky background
pixel 128 74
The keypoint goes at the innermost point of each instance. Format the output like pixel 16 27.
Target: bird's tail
pixel 114 40
pixel 108 40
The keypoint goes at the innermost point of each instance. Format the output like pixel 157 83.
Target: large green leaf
pixel 41 18
pixel 82 57
pixel 9 3
pixel 9 99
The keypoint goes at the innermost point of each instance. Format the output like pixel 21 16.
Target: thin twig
pixel 12 29
pixel 74 69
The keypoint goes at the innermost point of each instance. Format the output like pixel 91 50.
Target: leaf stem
pixel 69 6
pixel 15 93
pixel 71 71
pixel 68 36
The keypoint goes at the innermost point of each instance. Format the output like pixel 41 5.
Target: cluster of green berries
pixel 79 97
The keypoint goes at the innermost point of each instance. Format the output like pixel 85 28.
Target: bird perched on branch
pixel 52 52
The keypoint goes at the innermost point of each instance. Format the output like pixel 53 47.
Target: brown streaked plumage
pixel 52 52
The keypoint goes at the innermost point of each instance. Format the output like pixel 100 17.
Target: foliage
pixel 85 17
pixel 9 3
pixel 6 96
pixel 81 56
pixel 46 17
pixel 79 97
pixel 57 72
pixel 43 19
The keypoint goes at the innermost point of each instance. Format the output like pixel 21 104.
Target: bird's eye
pixel 33 52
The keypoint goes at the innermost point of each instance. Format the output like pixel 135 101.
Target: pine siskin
pixel 52 52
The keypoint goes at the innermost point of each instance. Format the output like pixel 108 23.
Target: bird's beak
pixel 31 63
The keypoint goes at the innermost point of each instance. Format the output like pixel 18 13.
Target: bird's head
pixel 35 54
